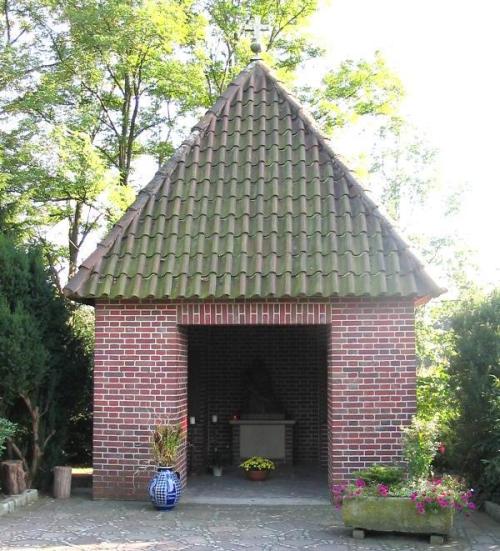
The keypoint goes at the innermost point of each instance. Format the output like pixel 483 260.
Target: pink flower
pixel 383 490
pixel 471 506
pixel 360 483
pixel 413 496
pixel 442 502
pixel 338 489
pixel 420 508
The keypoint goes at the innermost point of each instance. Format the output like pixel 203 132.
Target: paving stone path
pixel 82 524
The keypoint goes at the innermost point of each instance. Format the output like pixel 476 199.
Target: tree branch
pixel 19 453
pixel 7 20
pixel 47 439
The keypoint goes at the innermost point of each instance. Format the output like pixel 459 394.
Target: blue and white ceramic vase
pixel 165 488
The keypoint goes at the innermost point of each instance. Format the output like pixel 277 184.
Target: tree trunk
pixel 73 238
pixel 13 477
pixel 124 131
pixel 62 482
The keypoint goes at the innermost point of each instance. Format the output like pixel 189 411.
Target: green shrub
pixel 490 479
pixel 44 369
pixel 474 371
pixel 420 441
pixel 381 474
pixel 7 429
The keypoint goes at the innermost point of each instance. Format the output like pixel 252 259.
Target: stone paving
pixel 285 486
pixel 85 525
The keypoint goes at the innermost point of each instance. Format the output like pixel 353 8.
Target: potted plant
pixel 257 468
pixel 216 463
pixel 165 486
pixel 425 506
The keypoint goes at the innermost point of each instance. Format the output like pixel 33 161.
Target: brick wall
pixel 296 359
pixel 371 382
pixel 141 378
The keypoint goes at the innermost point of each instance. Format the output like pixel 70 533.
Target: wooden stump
pixel 62 482
pixel 13 477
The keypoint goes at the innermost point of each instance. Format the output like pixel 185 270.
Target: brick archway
pixel 140 378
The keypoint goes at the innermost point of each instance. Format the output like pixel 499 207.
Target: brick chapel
pixel 256 295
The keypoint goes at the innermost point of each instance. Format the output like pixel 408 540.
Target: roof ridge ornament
pixel 257 28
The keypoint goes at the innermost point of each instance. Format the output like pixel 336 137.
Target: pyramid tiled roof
pixel 254 204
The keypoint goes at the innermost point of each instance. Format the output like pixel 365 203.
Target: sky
pixel 446 52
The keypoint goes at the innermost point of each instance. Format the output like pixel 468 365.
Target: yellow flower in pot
pixel 257 468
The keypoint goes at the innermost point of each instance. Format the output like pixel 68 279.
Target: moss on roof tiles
pixel 254 204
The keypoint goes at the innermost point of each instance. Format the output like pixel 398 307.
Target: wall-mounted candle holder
pixel 215 418
pixel 192 420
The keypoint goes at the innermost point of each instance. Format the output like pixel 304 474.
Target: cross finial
pixel 256 29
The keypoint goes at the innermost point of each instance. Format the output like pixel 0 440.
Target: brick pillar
pixel 371 383
pixel 140 379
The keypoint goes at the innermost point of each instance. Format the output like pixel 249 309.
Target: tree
pixel 474 382
pixel 354 90
pixel 62 180
pixel 107 81
pixel 128 68
pixel 286 43
pixel 118 74
pixel 41 372
pixel 433 346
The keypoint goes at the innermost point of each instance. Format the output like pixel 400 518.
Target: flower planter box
pixel 394 514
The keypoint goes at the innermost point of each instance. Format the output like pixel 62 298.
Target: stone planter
pixel 394 514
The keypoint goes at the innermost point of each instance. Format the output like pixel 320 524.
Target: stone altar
pixel 263 428
pixel 271 438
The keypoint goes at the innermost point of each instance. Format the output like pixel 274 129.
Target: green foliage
pixel 356 89
pixel 41 361
pixel 420 442
pixel 381 474
pixel 490 477
pixel 166 441
pixel 62 177
pixel 474 372
pixel 286 43
pixel 433 346
pixel 258 463
pixel 7 430
pixel 131 61
pixel 78 439
pixel 92 86
pixel 458 347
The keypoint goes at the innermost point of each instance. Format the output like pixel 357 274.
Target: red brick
pixel 141 378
